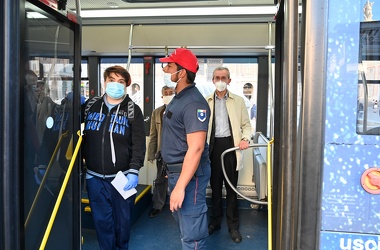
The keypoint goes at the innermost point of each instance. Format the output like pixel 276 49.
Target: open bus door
pixel 50 48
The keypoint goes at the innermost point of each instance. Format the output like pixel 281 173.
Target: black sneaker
pixel 154 212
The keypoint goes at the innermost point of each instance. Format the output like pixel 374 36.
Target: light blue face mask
pixel 168 80
pixel 115 90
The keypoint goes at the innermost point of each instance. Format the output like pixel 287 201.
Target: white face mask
pixel 220 86
pixel 168 80
pixel 167 99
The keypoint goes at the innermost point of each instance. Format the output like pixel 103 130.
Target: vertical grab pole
pixel 271 133
pixel 78 7
pixel 270 80
pixel 130 46
pixel 269 185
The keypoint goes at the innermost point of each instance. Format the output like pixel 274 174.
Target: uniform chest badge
pixel 201 114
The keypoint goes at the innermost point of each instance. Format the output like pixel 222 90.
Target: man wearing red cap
pixel 184 149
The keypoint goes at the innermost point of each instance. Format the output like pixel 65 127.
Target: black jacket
pixel 128 137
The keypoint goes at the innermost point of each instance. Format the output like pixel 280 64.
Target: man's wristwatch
pixel 245 139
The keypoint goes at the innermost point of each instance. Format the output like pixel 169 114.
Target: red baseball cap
pixel 183 57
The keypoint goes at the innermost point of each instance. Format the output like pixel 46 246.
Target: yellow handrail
pixel 61 192
pixel 44 178
pixel 269 180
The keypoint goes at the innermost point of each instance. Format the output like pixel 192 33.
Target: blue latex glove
pixel 132 181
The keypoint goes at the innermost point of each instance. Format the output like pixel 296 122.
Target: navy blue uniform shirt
pixel 188 112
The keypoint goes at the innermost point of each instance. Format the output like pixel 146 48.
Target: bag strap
pixel 89 104
pixel 131 111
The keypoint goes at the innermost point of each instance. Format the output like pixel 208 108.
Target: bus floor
pixel 162 232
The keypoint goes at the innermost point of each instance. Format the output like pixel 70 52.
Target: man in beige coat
pixel 229 127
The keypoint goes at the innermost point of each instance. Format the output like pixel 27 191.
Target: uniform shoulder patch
pixel 201 114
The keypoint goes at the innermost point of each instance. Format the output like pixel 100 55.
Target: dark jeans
pixel 111 214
